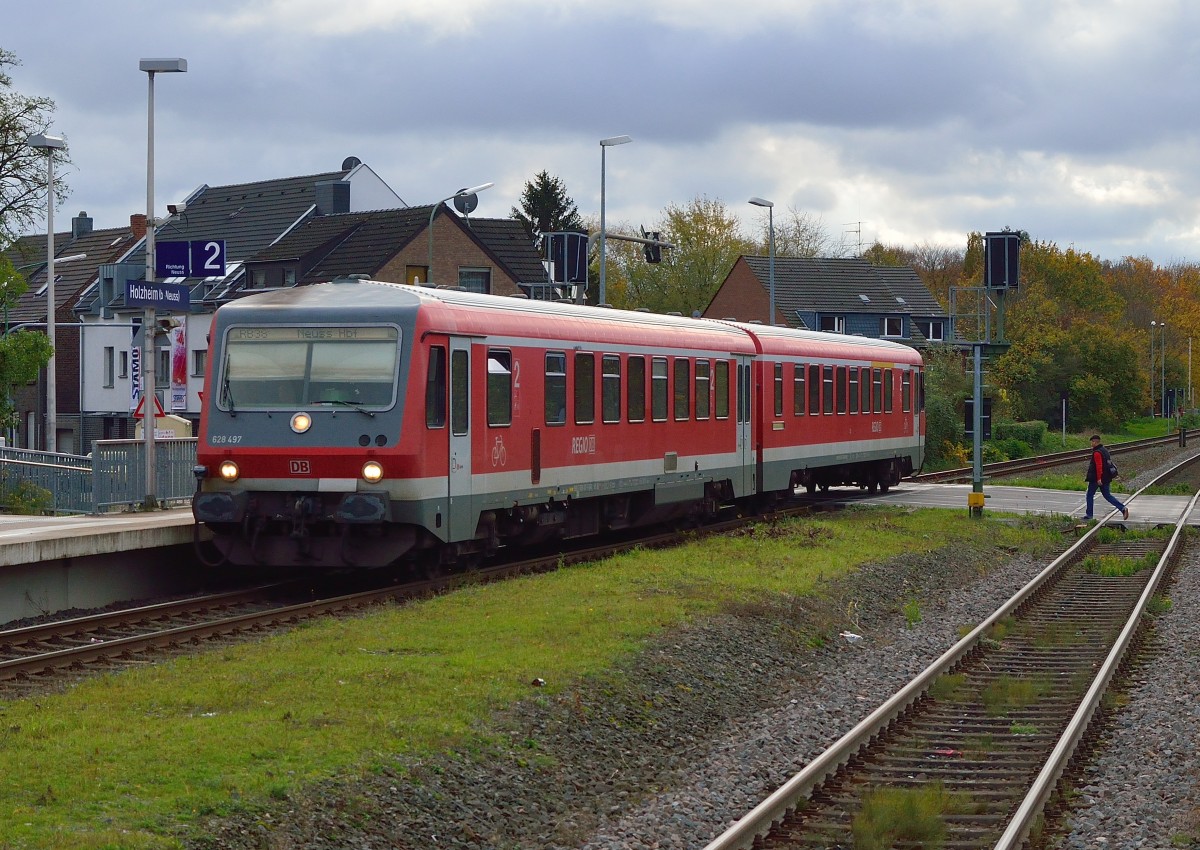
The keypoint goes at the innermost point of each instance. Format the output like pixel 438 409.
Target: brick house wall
pixel 743 297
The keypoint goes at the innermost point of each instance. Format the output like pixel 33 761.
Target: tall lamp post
pixel 605 144
pixel 763 202
pixel 1162 376
pixel 461 193
pixel 50 144
pixel 1153 332
pixel 149 400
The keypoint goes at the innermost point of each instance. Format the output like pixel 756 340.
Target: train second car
pixel 362 424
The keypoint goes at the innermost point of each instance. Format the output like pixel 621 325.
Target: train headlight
pixel 372 472
pixel 228 470
pixel 301 422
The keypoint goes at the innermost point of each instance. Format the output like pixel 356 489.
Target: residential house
pixel 839 295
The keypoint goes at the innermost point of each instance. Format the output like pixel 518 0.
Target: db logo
pixel 299 467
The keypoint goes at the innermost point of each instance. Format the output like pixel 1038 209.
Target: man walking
pixel 1100 473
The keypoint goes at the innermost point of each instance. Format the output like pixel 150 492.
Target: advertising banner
pixel 179 367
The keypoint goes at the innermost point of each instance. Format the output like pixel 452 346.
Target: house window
pixel 891 326
pixel 933 330
pixel 123 364
pixel 475 280
pixel 258 279
pixel 110 366
pixel 499 387
pixel 416 275
pixel 162 375
pixel 833 324
pixel 199 363
pixel 289 277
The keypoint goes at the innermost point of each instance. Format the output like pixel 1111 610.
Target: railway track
pixel 1041 463
pixel 33 657
pixel 972 750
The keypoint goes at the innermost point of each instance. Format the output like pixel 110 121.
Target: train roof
pixel 456 311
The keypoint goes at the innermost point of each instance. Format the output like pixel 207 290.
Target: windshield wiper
pixel 227 396
pixel 350 405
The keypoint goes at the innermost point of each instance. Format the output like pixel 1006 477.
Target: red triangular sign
pixel 137 414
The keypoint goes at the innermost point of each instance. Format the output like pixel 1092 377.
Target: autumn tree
pixel 707 241
pixel 546 207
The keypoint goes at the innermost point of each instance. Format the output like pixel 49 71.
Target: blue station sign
pixel 171 297
pixel 198 258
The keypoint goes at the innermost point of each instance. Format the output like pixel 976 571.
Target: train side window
pixel 841 389
pixel 435 388
pixel 906 391
pixel 798 389
pixel 721 389
pixel 778 390
pixel 703 384
pixel 889 390
pixel 920 390
pixel 556 388
pixel 635 402
pixel 460 386
pixel 499 387
pixel 877 390
pixel 585 389
pixel 854 389
pixel 658 389
pixel 814 389
pixel 683 388
pixel 827 389
pixel 610 388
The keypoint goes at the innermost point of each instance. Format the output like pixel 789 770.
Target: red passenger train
pixel 359 423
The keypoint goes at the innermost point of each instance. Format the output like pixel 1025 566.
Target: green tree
pixel 546 207
pixel 22 168
pixel 946 387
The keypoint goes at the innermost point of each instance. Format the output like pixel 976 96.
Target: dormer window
pixel 289 277
pixel 258 279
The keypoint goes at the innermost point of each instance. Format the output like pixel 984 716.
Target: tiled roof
pixel 347 243
pixel 509 243
pixel 843 285
pixel 71 279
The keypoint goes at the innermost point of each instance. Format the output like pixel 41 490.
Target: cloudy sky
pixel 907 121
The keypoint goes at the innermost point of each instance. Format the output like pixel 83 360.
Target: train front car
pixel 303 406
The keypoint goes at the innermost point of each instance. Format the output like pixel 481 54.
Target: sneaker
pixel 1124 513
pixel 1087 519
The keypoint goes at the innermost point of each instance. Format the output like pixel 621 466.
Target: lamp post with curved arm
pixel 49 144
pixel 604 145
pixel 461 193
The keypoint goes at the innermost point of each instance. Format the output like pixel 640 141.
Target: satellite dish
pixel 466 204
pixel 350 163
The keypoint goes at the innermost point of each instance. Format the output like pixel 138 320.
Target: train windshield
pixel 281 366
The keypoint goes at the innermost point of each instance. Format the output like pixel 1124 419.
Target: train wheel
pixel 811 488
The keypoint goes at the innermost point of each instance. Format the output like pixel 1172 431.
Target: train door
pixel 745 431
pixel 462 520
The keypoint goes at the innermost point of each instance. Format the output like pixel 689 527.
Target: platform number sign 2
pixel 198 258
pixel 208 258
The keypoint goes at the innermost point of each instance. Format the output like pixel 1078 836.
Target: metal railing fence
pixel 112 476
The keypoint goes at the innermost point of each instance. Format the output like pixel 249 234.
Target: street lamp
pixel 461 193
pixel 149 403
pixel 50 144
pixel 763 202
pixel 1153 326
pixel 1162 378
pixel 605 143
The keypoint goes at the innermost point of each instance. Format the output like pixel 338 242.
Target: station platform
pixel 31 540
pixel 1144 510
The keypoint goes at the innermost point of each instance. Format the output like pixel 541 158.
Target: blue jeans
pixel 1104 491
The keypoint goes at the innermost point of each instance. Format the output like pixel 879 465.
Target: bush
pixel 25 498
pixel 1012 448
pixel 1030 433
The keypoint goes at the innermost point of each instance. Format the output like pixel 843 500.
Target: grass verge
pixel 133 759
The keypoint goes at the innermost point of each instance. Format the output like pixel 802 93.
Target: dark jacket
pixel 1099 469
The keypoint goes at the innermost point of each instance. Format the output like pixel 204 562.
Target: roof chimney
pixel 80 225
pixel 333 196
pixel 137 225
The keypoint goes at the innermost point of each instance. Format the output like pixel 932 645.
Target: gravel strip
pixel 668 751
